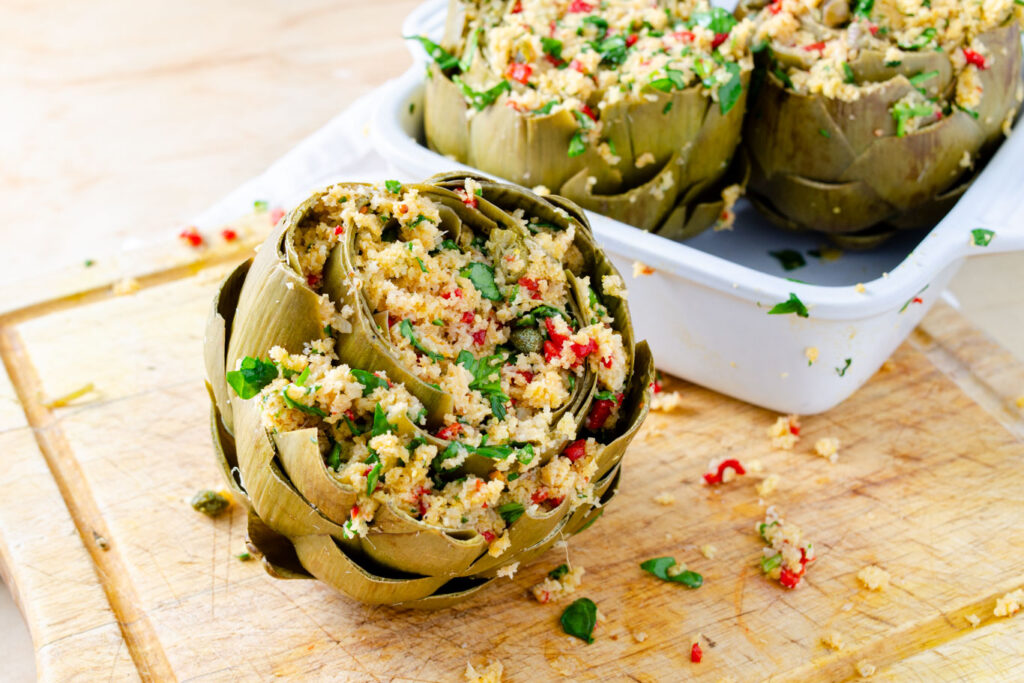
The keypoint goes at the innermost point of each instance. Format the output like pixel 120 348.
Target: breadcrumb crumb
pixel 865 668
pixel 833 641
pixel 709 551
pixel 828 448
pixel 641 269
pixel 551 589
pixel 666 401
pixel 1009 604
pixel 126 286
pixel 509 570
pixel 639 636
pixel 861 289
pixel 812 354
pixel 665 498
pixel 873 577
pixel 768 485
pixel 785 432
pixel 973 620
pixel 491 673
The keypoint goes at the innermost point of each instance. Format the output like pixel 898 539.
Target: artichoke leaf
pixel 218 331
pixel 302 461
pixel 400 542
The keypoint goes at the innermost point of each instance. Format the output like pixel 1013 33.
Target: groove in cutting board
pixel 139 635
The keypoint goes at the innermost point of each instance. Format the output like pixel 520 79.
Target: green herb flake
pixel 730 91
pixel 444 59
pixel 422 267
pixel 510 512
pixel 579 619
pixel 393 186
pixel 334 457
pixel 251 377
pixel 405 328
pixel 848 76
pixel 718 20
pixel 482 277
pixel 862 8
pixel 660 566
pixel 301 407
pixel 260 206
pixel 243 557
pixel 789 259
pixel 558 572
pixel 667 108
pixel 791 305
pixel 846 366
pixel 552 47
pixel 981 237
pixel 89 263
pixel 371 479
pixel 486 373
pixel 824 133
pixel 369 381
pixel 481 99
pixel 577 145
pixel 770 563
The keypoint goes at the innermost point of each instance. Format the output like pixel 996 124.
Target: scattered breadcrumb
pixel 812 354
pixel 1009 604
pixel 723 470
pixel 973 620
pixel 860 288
pixel 873 577
pixel 865 668
pixel 709 551
pixel 785 432
pixel 509 570
pixel 828 448
pixel 639 636
pixel 641 269
pixel 126 286
pixel 727 218
pixel 1020 402
pixel 755 466
pixel 666 401
pixel 786 554
pixel 558 583
pixel 768 485
pixel 833 641
pixel 490 674
pixel 665 498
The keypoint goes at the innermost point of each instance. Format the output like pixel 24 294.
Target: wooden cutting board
pixel 119 579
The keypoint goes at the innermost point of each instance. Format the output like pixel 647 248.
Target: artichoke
pixel 631 111
pixel 872 117
pixel 415 387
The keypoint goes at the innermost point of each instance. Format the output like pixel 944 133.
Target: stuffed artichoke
pixel 874 116
pixel 630 108
pixel 418 386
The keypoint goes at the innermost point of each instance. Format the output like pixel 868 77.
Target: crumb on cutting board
pixel 509 570
pixel 873 577
pixel 828 448
pixel 666 401
pixel 664 498
pixel 973 620
pixel 560 581
pixel 865 668
pixel 709 551
pixel 785 432
pixel 767 485
pixel 490 673
pixel 833 641
pixel 812 353
pixel 1009 604
pixel 639 636
pixel 126 286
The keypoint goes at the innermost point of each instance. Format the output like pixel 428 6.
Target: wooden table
pixel 119 579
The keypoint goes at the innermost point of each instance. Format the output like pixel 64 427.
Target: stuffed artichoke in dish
pixel 416 386
pixel 631 108
pixel 875 115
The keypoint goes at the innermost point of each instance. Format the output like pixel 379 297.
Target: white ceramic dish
pixel 704 310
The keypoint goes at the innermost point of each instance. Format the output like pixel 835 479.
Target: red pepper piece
pixel 517 8
pixel 551 350
pixel 975 58
pixel 576 65
pixel 519 72
pixel 789 579
pixel 488 536
pixel 528 283
pixel 583 350
pixel 874 29
pixel 276 215
pixel 192 236
pixel 579 6
pixel 229 235
pixel 554 334
pixel 312 279
pixel 607 362
pixel 339 230
pixel 716 477
pixel 576 450
pixel 468 318
pixel 719 39
pixel 775 7
pixel 688 36
pixel 354 512
pixel 467 198
pixel 555 502
pixel 527 375
pixel 696 654
pixel 820 47
pixel 450 432
pixel 585 109
pixel 479 336
pixel 599 414
pixel 631 39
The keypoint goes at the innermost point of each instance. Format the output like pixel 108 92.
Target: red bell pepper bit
pixel 580 7
pixel 229 235
pixel 551 350
pixel 576 65
pixel 688 36
pixel 583 350
pixel 420 503
pixel 488 536
pixel 696 654
pixel 607 362
pixel 467 198
pixel 599 414
pixel 585 109
pixel 820 47
pixel 656 387
pixel 874 29
pixel 192 236
pixel 539 496
pixel 791 579
pixel 631 39
pixel 468 318
pixel 517 8
pixel 479 336
pixel 313 280
pixel 719 39
pixel 339 230
pixel 553 61
pixel 450 432
pixel 555 502
pixel 529 284
pixel 527 375
pixel 276 215
pixel 554 334
pixel 354 512
pixel 975 58
pixel 576 450
pixel 775 7
pixel 713 478
pixel 519 72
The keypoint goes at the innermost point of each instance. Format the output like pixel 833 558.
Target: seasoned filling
pixel 786 554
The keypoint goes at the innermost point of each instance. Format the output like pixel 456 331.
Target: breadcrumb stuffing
pixel 1020 402
pixel 973 620
pixel 861 289
pixel 811 352
pixel 785 432
pixel 639 636
pixel 641 269
pixel 828 448
pixel 666 401
pixel 767 485
pixel 491 673
pixel 727 219
pixel 1009 604
pixel 551 589
pixel 709 551
pixel 873 577
pixel 865 668
pixel 664 498
pixel 833 641
pixel 126 286
pixel 786 554
pixel 509 570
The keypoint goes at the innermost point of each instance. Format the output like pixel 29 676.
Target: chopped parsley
pixel 334 457
pixel 445 60
pixel 791 305
pixel 393 186
pixel 552 48
pixel 251 377
pixel 903 112
pixel 510 512
pixel 380 422
pixel 260 205
pixel 579 619
pixel 862 8
pixel 659 566
pixel 730 91
pixel 546 109
pixel 486 373
pixel 405 328
pixel 578 144
pixel 789 259
pixel 369 381
pixel 420 218
pixel 301 407
pixel 481 99
pixel 848 76
pixel 558 572
pixel 482 277
pixel 981 237
pixel 846 366
pixel 717 20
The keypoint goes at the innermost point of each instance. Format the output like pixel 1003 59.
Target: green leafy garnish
pixel 673 80
pixel 481 99
pixel 791 305
pixel 903 112
pixel 251 377
pixel 420 218
pixel 848 76
pixel 422 267
pixel 449 244
pixel 371 479
pixel 667 108
pixel 546 109
pixel 334 457
pixel 486 373
pixel 599 23
pixel 789 259
pixel 770 563
pixel 611 49
pixel 369 381
pixel 846 366
pixel 552 47
pixel 445 60
pixel 824 133
pixel 578 144
pixel 380 422
pixel 301 407
pixel 917 80
pixel 862 8
pixel 405 328
pixel 482 277
pixel 659 566
pixel 467 55
pixel 393 186
pixel 783 76
pixel 510 512
pixel 579 619
pixel 730 91
pixel 718 20
pixel 981 237
pixel 558 572
pixel 927 36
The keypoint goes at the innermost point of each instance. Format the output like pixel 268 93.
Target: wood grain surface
pixel 119 578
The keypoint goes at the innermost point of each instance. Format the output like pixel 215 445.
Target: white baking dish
pixel 704 310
